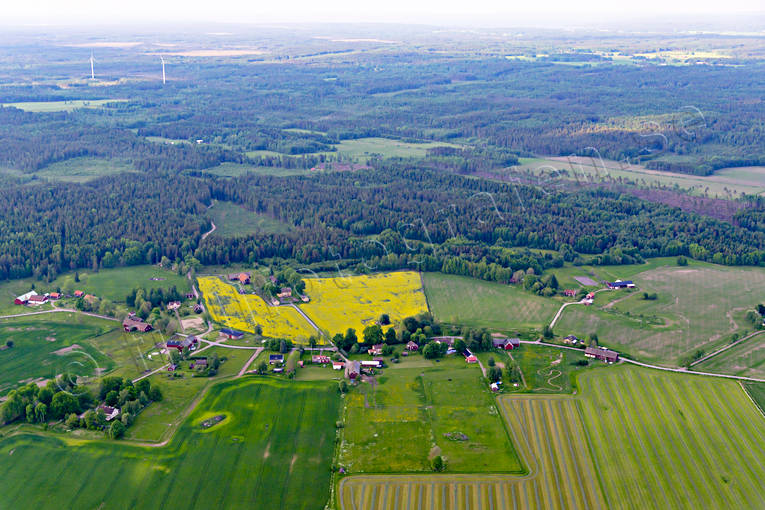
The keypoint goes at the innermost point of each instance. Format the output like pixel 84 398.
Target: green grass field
pixel 42 347
pixel 699 306
pixel 62 106
pixel 746 359
pixel 633 438
pixel 232 220
pixel 236 169
pixel 362 148
pixel 114 284
pixel 757 392
pixel 477 303
pixel 273 451
pixel 83 169
pixel 412 414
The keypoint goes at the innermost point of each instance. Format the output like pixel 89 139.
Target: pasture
pixel 699 306
pixel 61 106
pixel 50 344
pixel 633 438
pixel 358 301
pixel 245 311
pixel 83 169
pixel 480 304
pixel 273 450
pixel 412 414
pixel 232 220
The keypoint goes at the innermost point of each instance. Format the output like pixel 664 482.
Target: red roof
pixel 471 359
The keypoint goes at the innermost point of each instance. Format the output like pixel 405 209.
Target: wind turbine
pixel 163 69
pixel 92 68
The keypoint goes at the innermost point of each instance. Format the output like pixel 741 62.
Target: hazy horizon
pixel 681 15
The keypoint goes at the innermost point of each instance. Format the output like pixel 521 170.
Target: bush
pixel 438 464
pixel 116 430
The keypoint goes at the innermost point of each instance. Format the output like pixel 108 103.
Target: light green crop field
pixel 555 172
pixel 477 303
pixel 62 106
pixel 115 284
pixel 633 438
pixel 413 413
pixel 272 451
pixel 83 169
pixel 159 420
pixel 50 344
pixel 745 359
pixel 698 306
pixel 232 220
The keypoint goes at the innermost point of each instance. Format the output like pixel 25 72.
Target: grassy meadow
pixel 633 438
pixel 273 450
pixel 47 345
pixel 358 301
pixel 554 172
pixel 412 414
pixel 232 220
pixel 115 284
pixel 477 303
pixel 699 306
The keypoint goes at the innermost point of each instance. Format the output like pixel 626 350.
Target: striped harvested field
pixel 634 438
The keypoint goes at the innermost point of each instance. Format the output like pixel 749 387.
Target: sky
pixel 454 12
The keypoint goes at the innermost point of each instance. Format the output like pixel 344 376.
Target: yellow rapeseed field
pixel 245 311
pixel 358 301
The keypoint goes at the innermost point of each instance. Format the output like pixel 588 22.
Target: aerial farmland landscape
pixel 412 256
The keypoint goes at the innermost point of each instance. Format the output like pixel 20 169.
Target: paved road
pixel 718 351
pixel 684 371
pixel 560 311
pixel 655 367
pixel 564 305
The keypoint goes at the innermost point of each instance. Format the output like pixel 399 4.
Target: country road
pixel 204 236
pixel 57 310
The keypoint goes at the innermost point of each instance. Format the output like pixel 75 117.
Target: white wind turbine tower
pixel 163 69
pixel 92 68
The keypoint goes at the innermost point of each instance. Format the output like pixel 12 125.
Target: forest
pixel 444 211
